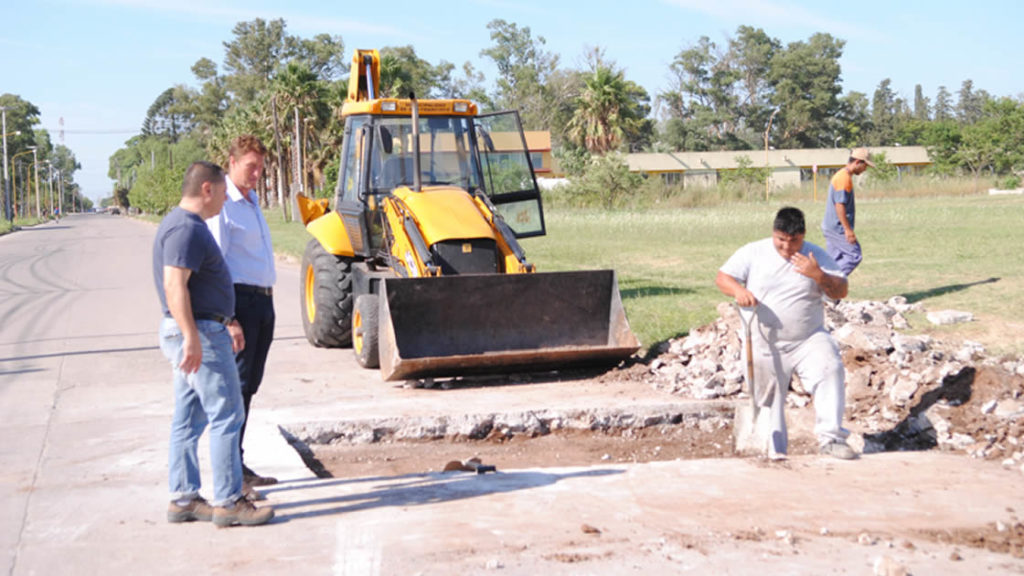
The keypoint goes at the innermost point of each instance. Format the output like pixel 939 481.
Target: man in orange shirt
pixel 840 210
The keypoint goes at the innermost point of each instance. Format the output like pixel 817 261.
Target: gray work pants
pixel 818 364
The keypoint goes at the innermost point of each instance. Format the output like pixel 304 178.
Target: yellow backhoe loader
pixel 418 265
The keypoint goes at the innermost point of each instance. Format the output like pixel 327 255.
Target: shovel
pixel 751 433
pixel 747 317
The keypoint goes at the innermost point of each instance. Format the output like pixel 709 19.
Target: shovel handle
pixel 749 351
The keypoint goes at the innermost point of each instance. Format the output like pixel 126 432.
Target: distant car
pixel 115 211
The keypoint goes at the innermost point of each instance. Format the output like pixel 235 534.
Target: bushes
pixel 605 182
pixel 157 190
pixel 1011 182
pixel 154 169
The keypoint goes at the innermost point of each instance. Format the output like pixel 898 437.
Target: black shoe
pixel 253 479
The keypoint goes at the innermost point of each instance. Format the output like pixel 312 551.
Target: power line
pixel 110 131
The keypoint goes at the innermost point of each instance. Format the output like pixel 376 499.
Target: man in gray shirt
pixel 785 278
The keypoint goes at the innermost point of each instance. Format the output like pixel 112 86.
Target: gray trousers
pixel 818 364
pixel 847 256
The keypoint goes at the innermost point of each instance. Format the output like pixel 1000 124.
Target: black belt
pixel 225 320
pixel 254 289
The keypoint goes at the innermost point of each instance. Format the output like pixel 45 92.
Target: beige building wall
pixel 703 168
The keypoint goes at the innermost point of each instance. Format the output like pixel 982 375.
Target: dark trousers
pixel 255 312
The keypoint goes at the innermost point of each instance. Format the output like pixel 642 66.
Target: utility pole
pixel 50 180
pixel 35 164
pixel 7 184
pixel 297 178
pixel 280 161
pixel 768 175
pixel 60 190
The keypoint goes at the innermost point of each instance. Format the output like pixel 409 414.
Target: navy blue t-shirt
pixel 183 240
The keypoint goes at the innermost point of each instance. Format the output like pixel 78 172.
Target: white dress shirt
pixel 244 238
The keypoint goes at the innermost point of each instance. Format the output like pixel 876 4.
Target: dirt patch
pixel 1002 538
pixel 560 448
pixel 519 440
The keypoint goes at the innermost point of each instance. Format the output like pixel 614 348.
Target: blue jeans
pixel 211 396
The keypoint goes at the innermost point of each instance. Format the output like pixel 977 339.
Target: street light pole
pixel 767 179
pixel 49 180
pixel 60 190
pixel 14 160
pixel 7 185
pixel 35 165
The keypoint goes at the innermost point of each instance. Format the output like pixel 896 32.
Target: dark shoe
pixel 254 479
pixel 242 512
pixel 839 449
pixel 197 509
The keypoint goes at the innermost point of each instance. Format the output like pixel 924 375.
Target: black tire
pixel 366 330
pixel 325 297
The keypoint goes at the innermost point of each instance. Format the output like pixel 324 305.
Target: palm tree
pixel 299 93
pixel 603 110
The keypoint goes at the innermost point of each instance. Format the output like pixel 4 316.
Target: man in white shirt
pixel 785 278
pixel 244 238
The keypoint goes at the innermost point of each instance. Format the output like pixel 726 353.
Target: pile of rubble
pixel 904 392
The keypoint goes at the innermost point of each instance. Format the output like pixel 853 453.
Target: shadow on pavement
pixel 419 489
pixel 80 353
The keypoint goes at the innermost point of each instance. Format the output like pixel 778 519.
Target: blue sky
pixel 99 64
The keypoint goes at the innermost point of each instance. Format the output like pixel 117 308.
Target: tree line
pixel 742 94
pixel 55 164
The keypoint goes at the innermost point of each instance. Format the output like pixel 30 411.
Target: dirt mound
pixel 904 391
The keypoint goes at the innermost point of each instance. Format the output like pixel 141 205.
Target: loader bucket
pixel 494 323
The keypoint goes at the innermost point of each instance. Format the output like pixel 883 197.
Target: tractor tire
pixel 365 331
pixel 325 294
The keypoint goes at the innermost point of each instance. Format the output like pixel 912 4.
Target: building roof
pixel 798 158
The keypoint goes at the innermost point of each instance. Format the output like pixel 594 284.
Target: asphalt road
pixel 85 409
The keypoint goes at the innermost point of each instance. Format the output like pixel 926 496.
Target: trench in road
pixel 516 440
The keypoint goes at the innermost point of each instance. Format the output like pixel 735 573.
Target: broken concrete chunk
pixel 902 390
pixel 943 317
pixel 869 338
pixel 887 566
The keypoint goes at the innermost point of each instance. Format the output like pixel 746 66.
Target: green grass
pixel 941 251
pixel 290 238
pixel 22 222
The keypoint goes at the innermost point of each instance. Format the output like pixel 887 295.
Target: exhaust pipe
pixel 417 182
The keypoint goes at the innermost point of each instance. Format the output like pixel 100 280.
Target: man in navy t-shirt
pixel 199 336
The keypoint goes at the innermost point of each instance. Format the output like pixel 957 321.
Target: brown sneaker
pixel 197 509
pixel 254 479
pixel 242 512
